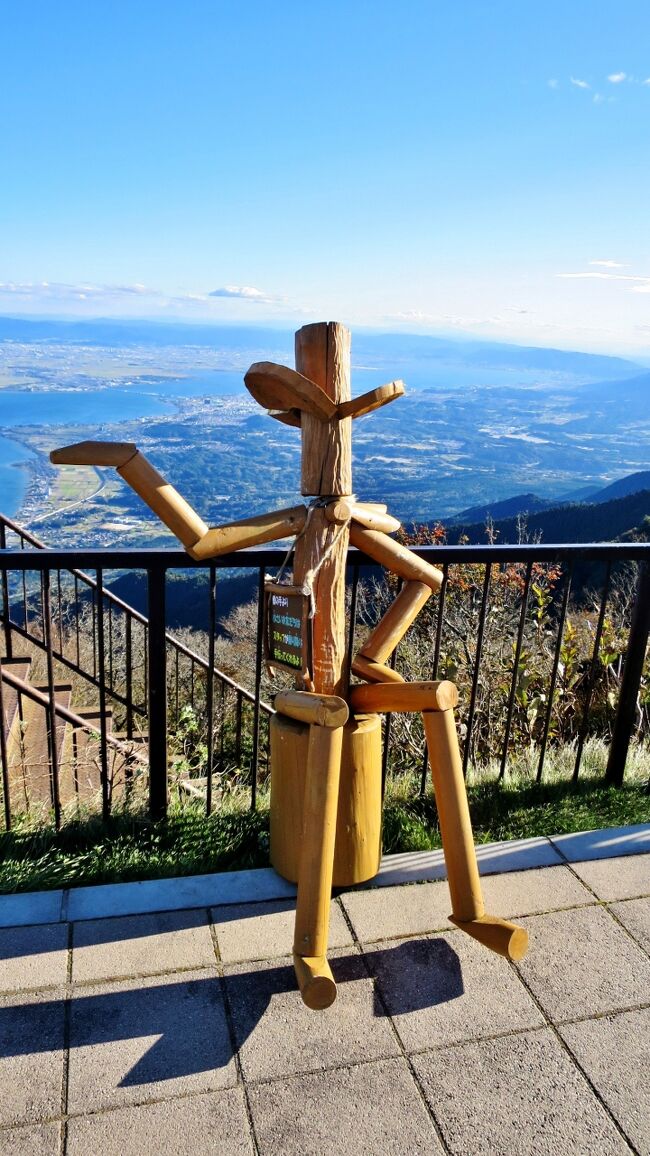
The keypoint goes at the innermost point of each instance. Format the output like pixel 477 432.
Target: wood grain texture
pixel 163 499
pixel 357 849
pixel 374 671
pixel 315 981
pixel 500 935
pixel 323 353
pixel 316 709
pixel 287 417
pixel 453 813
pixel 345 510
pixel 357 852
pixel 404 696
pixel 250 532
pixel 318 838
pixel 94 454
pixel 396 621
pixel 395 557
pixel 278 387
pixel 372 400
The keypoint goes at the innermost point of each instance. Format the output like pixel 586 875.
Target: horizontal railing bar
pixel 69 716
pixel 71 664
pixel 150 559
pixel 132 613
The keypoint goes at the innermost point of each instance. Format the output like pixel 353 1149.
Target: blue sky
pixel 466 165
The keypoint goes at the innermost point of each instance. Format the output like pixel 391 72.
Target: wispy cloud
pixel 637 282
pixel 60 291
pixel 579 83
pixel 553 82
pixel 617 77
pixel 603 276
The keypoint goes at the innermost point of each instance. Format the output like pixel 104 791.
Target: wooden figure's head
pixel 316 398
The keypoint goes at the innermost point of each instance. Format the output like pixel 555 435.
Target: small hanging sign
pixel 287 628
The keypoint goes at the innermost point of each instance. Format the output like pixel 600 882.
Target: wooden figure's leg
pixel 326 715
pixel 389 631
pixel 313 972
pixel 458 845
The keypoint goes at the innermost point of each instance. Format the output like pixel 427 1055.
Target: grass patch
pixel 131 846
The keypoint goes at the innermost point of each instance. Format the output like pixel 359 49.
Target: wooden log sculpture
pixel 325 737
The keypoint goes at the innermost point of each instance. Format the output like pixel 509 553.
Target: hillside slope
pixel 598 522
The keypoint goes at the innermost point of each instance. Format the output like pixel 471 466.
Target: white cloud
pixel 642 288
pixel 243 292
pixel 617 77
pixel 609 264
pixel 579 83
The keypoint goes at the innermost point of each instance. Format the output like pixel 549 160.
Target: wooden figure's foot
pixel 315 980
pixel 508 939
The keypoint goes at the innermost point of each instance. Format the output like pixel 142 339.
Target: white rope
pixel 310 576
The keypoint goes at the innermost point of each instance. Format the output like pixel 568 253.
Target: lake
pixel 60 406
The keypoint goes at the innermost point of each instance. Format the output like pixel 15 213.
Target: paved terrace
pixel 181 1031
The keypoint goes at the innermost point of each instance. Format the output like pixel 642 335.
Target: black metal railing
pixel 546 643
pixel 98 636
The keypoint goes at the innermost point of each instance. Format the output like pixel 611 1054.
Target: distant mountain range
pixel 403 347
pixel 532 504
pixel 605 514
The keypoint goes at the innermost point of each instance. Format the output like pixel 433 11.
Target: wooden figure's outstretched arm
pixel 200 541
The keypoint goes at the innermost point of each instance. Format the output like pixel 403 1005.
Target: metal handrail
pixel 115 600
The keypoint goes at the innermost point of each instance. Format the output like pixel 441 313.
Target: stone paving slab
pixel 264 930
pixel 277 1035
pixel 625 877
pixel 396 912
pixel 146 1039
pixel 31 907
pixel 374 1108
pixel 33 957
pixel 518 1094
pixel 141 945
pixel 423 908
pixel 634 914
pixel 532 892
pixel 604 844
pixel 201 1125
pixel 615 1054
pixel 446 988
pixel 31 1057
pixel 581 963
pixel 31 1140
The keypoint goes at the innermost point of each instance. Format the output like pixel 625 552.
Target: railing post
pixel 6 610
pixel 4 765
pixel 157 698
pixel 631 681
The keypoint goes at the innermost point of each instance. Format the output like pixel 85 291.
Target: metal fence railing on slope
pixel 546 644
